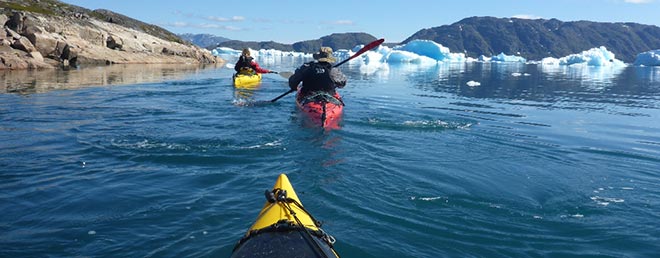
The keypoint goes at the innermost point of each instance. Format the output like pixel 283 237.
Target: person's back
pixel 247 65
pixel 318 75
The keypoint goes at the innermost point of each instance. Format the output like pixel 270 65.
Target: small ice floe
pixel 537 217
pixel 268 144
pixel 605 200
pixel 91 232
pixel 520 74
pixel 473 83
pixel 428 199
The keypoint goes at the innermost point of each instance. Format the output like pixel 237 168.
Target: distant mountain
pixel 203 40
pixel 536 39
pixel 335 41
pixel 237 44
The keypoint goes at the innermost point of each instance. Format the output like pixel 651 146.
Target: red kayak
pixel 322 108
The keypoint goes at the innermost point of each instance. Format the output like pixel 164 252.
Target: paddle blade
pixel 369 47
pixel 362 50
pixel 285 75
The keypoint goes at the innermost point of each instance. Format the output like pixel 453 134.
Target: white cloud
pixel 343 22
pixel 638 1
pixel 223 19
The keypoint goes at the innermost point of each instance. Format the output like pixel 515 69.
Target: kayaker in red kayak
pixel 317 96
pixel 247 65
pixel 318 75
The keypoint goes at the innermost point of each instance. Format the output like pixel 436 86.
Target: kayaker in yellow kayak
pixel 246 64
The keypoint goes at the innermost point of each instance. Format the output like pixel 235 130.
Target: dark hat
pixel 324 55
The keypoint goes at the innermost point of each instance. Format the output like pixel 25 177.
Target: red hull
pixel 322 111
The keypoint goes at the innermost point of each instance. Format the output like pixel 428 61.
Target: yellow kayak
pixel 284 228
pixel 245 80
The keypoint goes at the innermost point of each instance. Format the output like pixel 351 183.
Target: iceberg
pixel 228 52
pixel 507 58
pixel 225 51
pixel 649 58
pixel 399 56
pixel 430 53
pixel 599 56
pixel 423 50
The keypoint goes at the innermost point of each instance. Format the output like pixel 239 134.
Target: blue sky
pixel 288 21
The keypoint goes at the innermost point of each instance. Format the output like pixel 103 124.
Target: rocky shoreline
pixel 30 40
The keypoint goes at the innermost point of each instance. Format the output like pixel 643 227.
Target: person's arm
pixel 258 69
pixel 236 67
pixel 297 77
pixel 338 77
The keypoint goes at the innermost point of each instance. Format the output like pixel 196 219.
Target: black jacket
pixel 317 76
pixel 243 61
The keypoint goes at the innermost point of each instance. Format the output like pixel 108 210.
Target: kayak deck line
pixel 284 228
pixel 322 108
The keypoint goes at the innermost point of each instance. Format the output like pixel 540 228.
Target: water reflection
pixel 651 73
pixel 244 94
pixel 39 81
pixel 530 82
pixel 593 77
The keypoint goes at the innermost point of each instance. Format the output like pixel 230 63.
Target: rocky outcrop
pixel 33 40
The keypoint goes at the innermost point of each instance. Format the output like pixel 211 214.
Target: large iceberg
pixel 508 58
pixel 423 51
pixel 599 56
pixel 229 52
pixel 649 58
pixel 426 52
pixel 225 51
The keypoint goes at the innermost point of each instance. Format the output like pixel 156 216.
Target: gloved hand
pixel 273 72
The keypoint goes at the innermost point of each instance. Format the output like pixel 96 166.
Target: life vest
pixel 318 78
pixel 244 65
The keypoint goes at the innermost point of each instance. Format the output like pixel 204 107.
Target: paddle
pixel 284 75
pixel 360 52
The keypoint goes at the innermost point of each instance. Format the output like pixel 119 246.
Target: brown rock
pixel 3 19
pixel 114 42
pixel 16 21
pixel 64 41
pixel 45 43
pixel 37 56
pixel 11 34
pixel 23 44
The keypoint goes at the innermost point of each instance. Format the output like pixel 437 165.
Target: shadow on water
pixel 40 81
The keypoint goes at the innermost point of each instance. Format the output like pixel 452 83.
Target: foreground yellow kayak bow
pixel 284 228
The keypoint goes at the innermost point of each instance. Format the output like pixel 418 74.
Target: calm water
pixel 534 162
